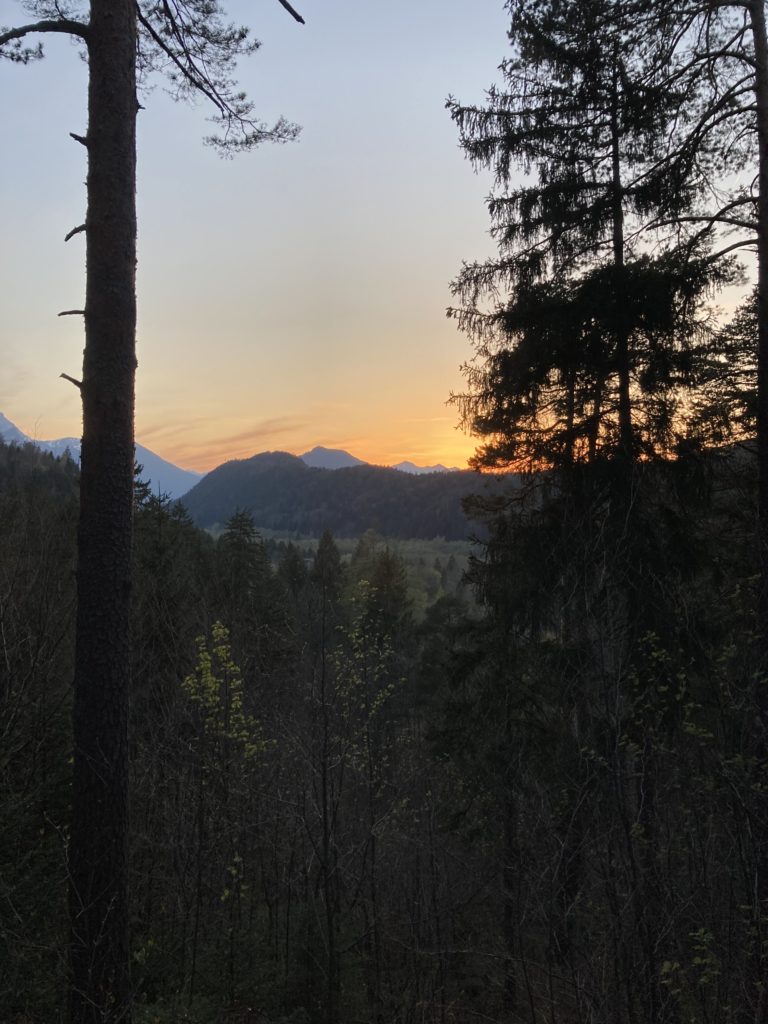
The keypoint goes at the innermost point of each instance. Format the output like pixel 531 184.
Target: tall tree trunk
pixel 760 965
pixel 99 951
pixel 626 440
pixel 757 14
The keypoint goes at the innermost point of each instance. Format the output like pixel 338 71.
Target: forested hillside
pixel 340 813
pixel 282 493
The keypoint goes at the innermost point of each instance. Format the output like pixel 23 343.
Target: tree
pixel 225 743
pixel 724 405
pixel 201 50
pixel 594 328
pixel 542 388
pixel 574 109
pixel 38 512
pixel 604 108
pixel 327 572
pixel 722 64
pixel 250 597
pixel 723 59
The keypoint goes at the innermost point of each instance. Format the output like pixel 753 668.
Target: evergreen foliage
pixel 285 495
pixel 541 809
pixel 588 340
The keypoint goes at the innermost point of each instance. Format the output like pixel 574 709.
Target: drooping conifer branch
pixel 201 62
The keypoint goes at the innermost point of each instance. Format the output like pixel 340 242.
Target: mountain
pixel 283 493
pixel 60 446
pixel 411 467
pixel 330 458
pixel 10 433
pixel 27 469
pixel 164 476
pixel 337 458
pixel 160 474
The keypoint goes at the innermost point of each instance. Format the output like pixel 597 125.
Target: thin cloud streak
pixel 206 454
pixel 204 442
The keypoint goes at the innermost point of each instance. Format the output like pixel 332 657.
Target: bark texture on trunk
pixel 757 1013
pixel 757 13
pixel 99 951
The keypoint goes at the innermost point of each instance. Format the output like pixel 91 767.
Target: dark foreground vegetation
pixel 544 810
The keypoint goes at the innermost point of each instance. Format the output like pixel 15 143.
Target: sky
pixel 294 296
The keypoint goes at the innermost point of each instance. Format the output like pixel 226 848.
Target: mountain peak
pixel 162 475
pixel 411 467
pixel 330 458
pixel 10 433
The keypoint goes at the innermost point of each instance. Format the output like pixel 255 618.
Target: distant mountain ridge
pixel 176 482
pixel 160 474
pixel 330 458
pixel 410 467
pixel 337 458
pixel 10 433
pixel 283 493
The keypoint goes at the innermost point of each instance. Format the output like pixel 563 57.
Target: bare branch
pixel 71 312
pixel 743 244
pixel 194 80
pixel 79 138
pixel 70 28
pixel 709 219
pixel 292 12
pixel 192 71
pixel 73 232
pixel 72 380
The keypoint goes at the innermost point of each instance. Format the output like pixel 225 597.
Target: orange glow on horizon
pixel 201 444
pixel 203 456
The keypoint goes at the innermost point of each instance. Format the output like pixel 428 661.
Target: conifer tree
pixel 327 571
pixel 592 323
pixel 581 360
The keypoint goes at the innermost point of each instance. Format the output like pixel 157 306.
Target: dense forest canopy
pixel 523 782
pixel 284 494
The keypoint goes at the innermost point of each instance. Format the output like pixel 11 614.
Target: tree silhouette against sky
pixel 197 50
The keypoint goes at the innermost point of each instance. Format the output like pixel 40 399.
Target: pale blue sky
pixel 294 296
